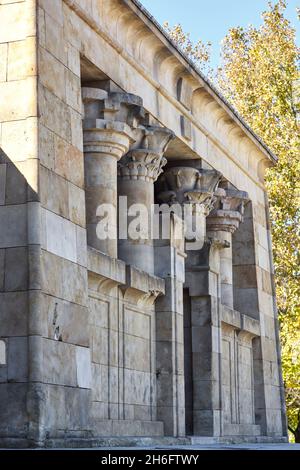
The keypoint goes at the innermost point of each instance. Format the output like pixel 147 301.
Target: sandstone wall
pixel 19 234
pixel 81 344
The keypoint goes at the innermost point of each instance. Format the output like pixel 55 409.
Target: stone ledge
pixel 105 273
pixel 231 317
pixel 243 430
pixel 111 442
pixel 250 324
pixel 201 441
pixel 142 442
pixel 142 281
pixel 106 266
pixel 127 428
pixel 142 288
pixel 240 321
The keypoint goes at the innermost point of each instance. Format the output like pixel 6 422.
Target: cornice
pixel 178 57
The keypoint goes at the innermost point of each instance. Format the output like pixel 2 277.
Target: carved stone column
pixel 137 172
pixel 190 187
pixel 222 223
pixel 107 135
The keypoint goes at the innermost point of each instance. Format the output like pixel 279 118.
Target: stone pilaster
pixel 109 120
pixel 169 265
pixel 137 172
pixel 194 188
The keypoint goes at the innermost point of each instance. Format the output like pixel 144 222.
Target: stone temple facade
pixel 123 339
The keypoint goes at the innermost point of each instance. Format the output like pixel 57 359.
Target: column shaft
pixel 226 270
pixel 101 188
pixel 138 253
pixel 222 222
pixel 138 170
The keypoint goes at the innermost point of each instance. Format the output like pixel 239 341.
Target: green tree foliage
pixel 198 52
pixel 259 75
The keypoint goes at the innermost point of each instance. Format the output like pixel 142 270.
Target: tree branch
pixel 292 430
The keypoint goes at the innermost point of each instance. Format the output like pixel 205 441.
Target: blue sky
pixel 210 20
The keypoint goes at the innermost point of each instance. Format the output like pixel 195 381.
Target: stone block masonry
pixel 122 340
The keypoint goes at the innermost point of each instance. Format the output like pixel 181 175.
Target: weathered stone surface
pixel 60 412
pixel 76 129
pixel 16 186
pixel 54 192
pixel 21 59
pixel 2 269
pixel 13 409
pixel 55 42
pixel 136 353
pixel 17 359
pixel 17 22
pixel 73 60
pixel 76 205
pixel 81 246
pixel 100 383
pixel 13 226
pixel 52 74
pixel 46 147
pixel 59 363
pixel 173 340
pixel 18 139
pixel 16 269
pixel 65 320
pixel 60 236
pixel 19 97
pixel 100 346
pixel 3 167
pixel 73 91
pixel 83 366
pixel 68 280
pixel 136 324
pixel 53 9
pixel 3 62
pixel 54 114
pixel 99 311
pixel 13 313
pixel 68 161
pixel 2 353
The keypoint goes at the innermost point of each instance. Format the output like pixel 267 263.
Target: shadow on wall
pixel 18 246
pixel 244 267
